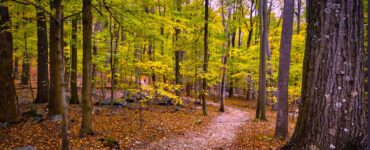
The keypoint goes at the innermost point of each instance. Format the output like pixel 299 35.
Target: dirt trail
pixel 218 135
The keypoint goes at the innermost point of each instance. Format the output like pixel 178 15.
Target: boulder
pixel 165 101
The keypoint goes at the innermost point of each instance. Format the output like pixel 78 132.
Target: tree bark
pixel 25 77
pixel 8 110
pixel 74 90
pixel 299 5
pixel 281 129
pixel 205 65
pixel 332 111
pixel 58 104
pixel 225 46
pixel 260 111
pixel 86 123
pixel 42 59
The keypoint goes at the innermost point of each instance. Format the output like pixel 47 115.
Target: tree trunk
pixel 260 111
pixel 57 105
pixel 231 86
pixel 177 71
pixel 42 59
pixel 25 77
pixel 281 131
pixel 8 110
pixel 332 111
pixel 86 123
pixel 224 58
pixel 299 5
pixel 74 90
pixel 205 65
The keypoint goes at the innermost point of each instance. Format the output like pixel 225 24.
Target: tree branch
pixel 37 6
pixel 74 14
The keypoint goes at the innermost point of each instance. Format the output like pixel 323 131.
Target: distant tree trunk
pixel 86 123
pixel 74 90
pixel 231 86
pixel 251 23
pixel 25 78
pixel 205 65
pixel 332 111
pixel 281 131
pixel 42 59
pixel 224 59
pixel 177 71
pixel 57 105
pixel 260 111
pixel 8 110
pixel 299 5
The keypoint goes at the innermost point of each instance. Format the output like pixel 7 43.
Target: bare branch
pixel 37 6
pixel 74 14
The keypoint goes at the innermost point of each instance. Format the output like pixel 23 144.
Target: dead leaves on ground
pixel 257 134
pixel 121 126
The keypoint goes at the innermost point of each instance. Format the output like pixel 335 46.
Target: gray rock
pixel 56 118
pixel 28 147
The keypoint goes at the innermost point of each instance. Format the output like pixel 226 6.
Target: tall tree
pixel 178 52
pixel 86 123
pixel 260 111
pixel 224 57
pixel 8 110
pixel 281 129
pixel 74 90
pixel 205 64
pixel 42 58
pixel 58 104
pixel 332 111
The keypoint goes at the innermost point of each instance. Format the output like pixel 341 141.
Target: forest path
pixel 218 135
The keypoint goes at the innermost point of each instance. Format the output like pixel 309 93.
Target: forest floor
pixel 219 134
pixel 154 127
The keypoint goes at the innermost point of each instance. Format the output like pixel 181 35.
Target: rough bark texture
pixel 260 111
pixel 74 94
pixel 281 129
pixel 42 59
pixel 332 112
pixel 224 59
pixel 86 123
pixel 8 111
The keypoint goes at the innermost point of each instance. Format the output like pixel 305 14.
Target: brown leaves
pixel 258 134
pixel 122 125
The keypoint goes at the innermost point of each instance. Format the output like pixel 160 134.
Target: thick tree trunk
pixel 332 112
pixel 281 131
pixel 8 110
pixel 74 90
pixel 260 111
pixel 42 59
pixel 57 105
pixel 55 52
pixel 205 65
pixel 86 123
